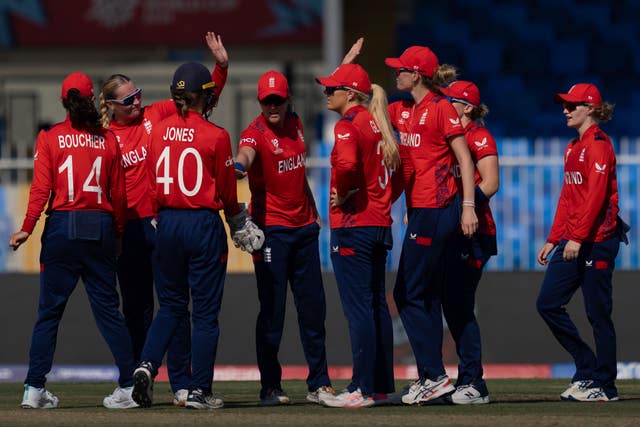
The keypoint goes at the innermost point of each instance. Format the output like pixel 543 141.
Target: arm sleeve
pixel 601 163
pixel 225 174
pixel 482 144
pixel 42 183
pixel 345 159
pixel 219 77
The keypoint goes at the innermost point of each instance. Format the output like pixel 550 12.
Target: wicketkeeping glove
pixel 244 233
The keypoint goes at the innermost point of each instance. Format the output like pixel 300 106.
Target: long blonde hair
pixel 108 91
pixel 378 107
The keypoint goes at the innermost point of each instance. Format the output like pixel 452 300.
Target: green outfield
pixel 515 403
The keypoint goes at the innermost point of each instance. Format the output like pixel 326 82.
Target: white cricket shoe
pixel 338 400
pixel 120 399
pixel 199 400
pixel 470 394
pixel 180 397
pixel 575 387
pixel 592 394
pixel 425 391
pixel 38 398
pixel 321 393
pixel 274 397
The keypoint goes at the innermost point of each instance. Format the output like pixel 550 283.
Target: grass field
pixel 514 403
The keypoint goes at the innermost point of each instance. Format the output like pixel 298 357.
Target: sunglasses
pixel 570 106
pixel 404 70
pixel 273 100
pixel 459 101
pixel 128 100
pixel 331 89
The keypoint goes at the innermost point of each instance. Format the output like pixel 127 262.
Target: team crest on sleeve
pixel 455 122
pixel 344 135
pixel 600 168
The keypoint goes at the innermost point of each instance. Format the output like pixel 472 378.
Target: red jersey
pixel 588 205
pixel 133 139
pixel 357 162
pixel 427 158
pixel 76 170
pixel 481 144
pixel 277 178
pixel 191 165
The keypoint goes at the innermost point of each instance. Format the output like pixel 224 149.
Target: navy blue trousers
pixel 591 272
pixel 359 257
pixel 78 245
pixel 418 287
pixel 190 258
pixel 135 274
pixel 465 260
pixel 290 255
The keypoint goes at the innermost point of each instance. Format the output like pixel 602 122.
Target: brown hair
pixel 478 113
pixel 604 112
pixel 186 100
pixel 82 111
pixel 108 91
pixel 442 76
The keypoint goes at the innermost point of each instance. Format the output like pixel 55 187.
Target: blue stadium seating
pixel 521 53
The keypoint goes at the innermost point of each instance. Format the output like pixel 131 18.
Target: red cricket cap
pixel 463 90
pixel 79 81
pixel 352 76
pixel 272 83
pixel 581 92
pixel 417 58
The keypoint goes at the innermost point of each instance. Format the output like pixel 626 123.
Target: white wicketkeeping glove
pixel 244 233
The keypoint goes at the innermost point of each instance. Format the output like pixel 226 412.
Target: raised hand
pixel 217 48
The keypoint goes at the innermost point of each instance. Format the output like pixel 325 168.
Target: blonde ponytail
pixel 378 107
pixel 105 119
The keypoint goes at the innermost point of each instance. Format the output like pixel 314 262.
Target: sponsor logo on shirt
pixel 335 249
pixel 248 140
pixel 600 168
pixel 481 144
pixel 267 254
pixel 344 135
pixel 455 122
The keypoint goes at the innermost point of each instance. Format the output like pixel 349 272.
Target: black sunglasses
pixel 571 106
pixel 273 100
pixel 330 90
pixel 128 100
pixel 404 70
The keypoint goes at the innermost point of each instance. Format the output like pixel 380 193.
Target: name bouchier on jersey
pixel 82 140
pixel 291 163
